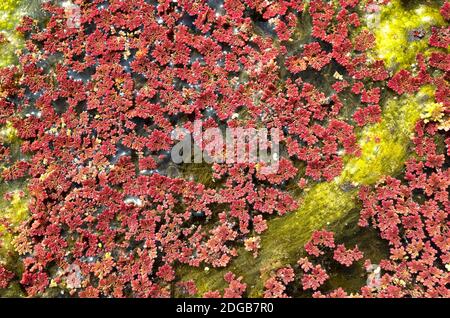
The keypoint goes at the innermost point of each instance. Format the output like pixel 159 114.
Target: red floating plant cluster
pixel 440 37
pixel 276 285
pixel 309 272
pixel 313 275
pixel 370 114
pixel 235 289
pixel 347 257
pixel 5 277
pixel 96 104
pixel 320 239
pixel 412 215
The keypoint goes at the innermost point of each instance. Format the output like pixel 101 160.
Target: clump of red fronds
pixel 411 214
pixel 275 286
pixel 235 289
pixel 96 106
pixel 309 273
pixel 5 277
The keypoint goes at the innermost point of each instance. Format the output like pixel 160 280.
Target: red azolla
pixel 131 79
pixel 409 218
pixel 445 10
pixel 235 9
pixel 440 60
pixel 282 30
pixel 357 87
pixel 337 293
pixel 371 96
pixel 296 64
pixel 5 277
pixel 286 170
pixel 187 287
pixel 322 14
pixel 442 94
pixel 89 292
pixel 315 56
pixel 18 170
pixel 440 37
pixel 147 164
pixel 212 294
pixel 285 274
pixel 370 114
pixel 403 82
pixel 235 287
pixel 302 183
pixel 166 273
pixel 340 86
pixel 347 257
pixel 319 239
pixel 259 224
pixel 273 288
pixel 314 278
pixel 375 71
pixel 34 283
pixel 274 8
pixel 364 40
pixel 253 244
pixel 123 170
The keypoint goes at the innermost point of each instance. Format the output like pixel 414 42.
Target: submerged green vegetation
pixel 13 210
pixel 384 146
pixel 10 14
pixel 400 30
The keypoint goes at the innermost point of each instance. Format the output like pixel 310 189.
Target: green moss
pixel 8 8
pixel 10 15
pixel 17 211
pixel 8 134
pixel 14 211
pixel 384 145
pixel 393 27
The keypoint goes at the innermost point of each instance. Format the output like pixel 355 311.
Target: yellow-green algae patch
pixel 394 29
pixel 8 134
pixel 10 15
pixel 383 145
pixel 13 211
